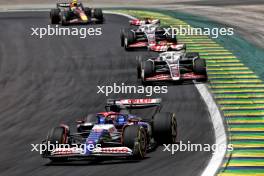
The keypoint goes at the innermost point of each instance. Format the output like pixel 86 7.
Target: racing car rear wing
pixel 135 103
pixel 66 4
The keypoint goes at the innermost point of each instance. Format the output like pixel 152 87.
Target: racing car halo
pixel 65 15
pixel 115 133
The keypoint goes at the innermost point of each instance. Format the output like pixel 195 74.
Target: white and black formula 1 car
pixel 65 15
pixel 172 66
pixel 121 131
pixel 150 36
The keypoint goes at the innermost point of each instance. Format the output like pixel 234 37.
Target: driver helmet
pixel 147 21
pixel 74 2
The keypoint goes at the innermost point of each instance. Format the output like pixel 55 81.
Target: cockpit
pixel 149 28
pixel 171 57
pixel 116 119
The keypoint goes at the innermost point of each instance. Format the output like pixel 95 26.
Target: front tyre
pixel 56 136
pixel 65 18
pixel 135 138
pixel 148 68
pixel 55 16
pixel 129 38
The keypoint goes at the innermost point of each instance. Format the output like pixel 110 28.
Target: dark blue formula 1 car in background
pixel 119 132
pixel 63 14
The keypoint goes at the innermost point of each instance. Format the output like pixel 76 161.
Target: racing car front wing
pixel 167 77
pixel 96 152
pixel 158 47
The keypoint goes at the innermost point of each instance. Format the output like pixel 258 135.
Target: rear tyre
pixel 55 16
pixel 199 66
pixel 134 137
pixel 165 128
pixel 98 14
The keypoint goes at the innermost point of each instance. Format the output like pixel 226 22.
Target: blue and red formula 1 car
pixel 116 133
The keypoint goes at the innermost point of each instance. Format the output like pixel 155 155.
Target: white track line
pixel 219 130
pixel 216 118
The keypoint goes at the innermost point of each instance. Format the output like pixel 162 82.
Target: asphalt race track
pixel 47 81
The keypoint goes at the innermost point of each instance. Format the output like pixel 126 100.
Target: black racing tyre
pixel 65 18
pixel 192 55
pixel 129 38
pixel 165 128
pixel 122 37
pixel 57 135
pixel 199 66
pixel 88 12
pixel 55 16
pixel 139 67
pixel 148 68
pixel 135 138
pixel 98 14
